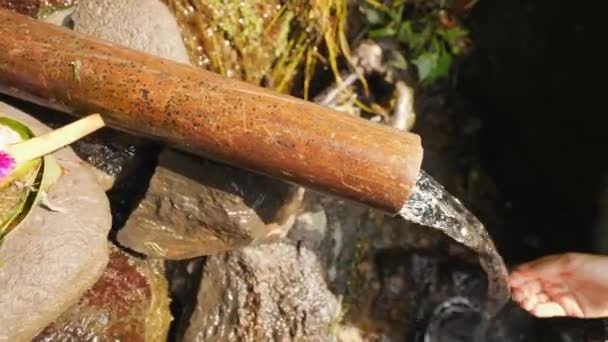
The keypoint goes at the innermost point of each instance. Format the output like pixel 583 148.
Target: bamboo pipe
pixel 208 115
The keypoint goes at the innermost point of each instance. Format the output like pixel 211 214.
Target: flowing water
pixel 431 205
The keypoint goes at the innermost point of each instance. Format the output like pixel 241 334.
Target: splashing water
pixel 431 205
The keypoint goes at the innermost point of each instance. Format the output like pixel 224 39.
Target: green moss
pixel 265 42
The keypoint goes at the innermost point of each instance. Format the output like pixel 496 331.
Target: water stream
pixel 432 206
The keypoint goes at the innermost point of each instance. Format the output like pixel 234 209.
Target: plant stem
pixel 47 143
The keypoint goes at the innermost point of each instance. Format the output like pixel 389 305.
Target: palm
pixel 563 285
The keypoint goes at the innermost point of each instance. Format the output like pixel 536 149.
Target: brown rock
pixel 196 207
pixel 54 257
pixel 128 303
pixel 271 292
pixel 32 7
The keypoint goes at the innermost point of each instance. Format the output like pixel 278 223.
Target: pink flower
pixel 7 164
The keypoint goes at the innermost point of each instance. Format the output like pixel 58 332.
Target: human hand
pixel 571 284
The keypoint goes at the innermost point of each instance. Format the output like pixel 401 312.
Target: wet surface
pixel 129 302
pixel 430 205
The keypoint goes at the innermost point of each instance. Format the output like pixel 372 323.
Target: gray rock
pixel 50 261
pixel 388 272
pixel 144 25
pixel 60 17
pixel 272 292
pixel 196 207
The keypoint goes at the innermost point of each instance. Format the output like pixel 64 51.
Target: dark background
pixel 537 80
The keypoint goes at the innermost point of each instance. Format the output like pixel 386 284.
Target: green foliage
pixel 264 42
pixel 426 41
pixel 26 186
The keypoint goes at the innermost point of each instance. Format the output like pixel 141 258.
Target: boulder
pixel 55 256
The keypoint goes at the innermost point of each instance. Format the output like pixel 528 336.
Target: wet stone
pixel 128 303
pixel 196 207
pixel 271 292
pixel 391 274
pixel 116 157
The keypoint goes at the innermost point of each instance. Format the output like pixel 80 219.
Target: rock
pixel 196 207
pixel 54 257
pixel 390 273
pixel 184 278
pixel 60 17
pixel 271 292
pixel 115 156
pixel 34 7
pixel 144 25
pixel 128 303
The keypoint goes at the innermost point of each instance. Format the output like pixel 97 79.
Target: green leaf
pixel 398 61
pixel 374 16
pixel 51 173
pixel 406 34
pixel 15 195
pixel 23 131
pixel 25 188
pixel 433 65
pixel 452 36
pixel 425 64
pixel 383 32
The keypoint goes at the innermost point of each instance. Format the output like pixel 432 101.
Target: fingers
pixel 540 304
pixel 569 304
pixel 527 288
pixel 550 309
pixel 539 288
pixel 549 267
